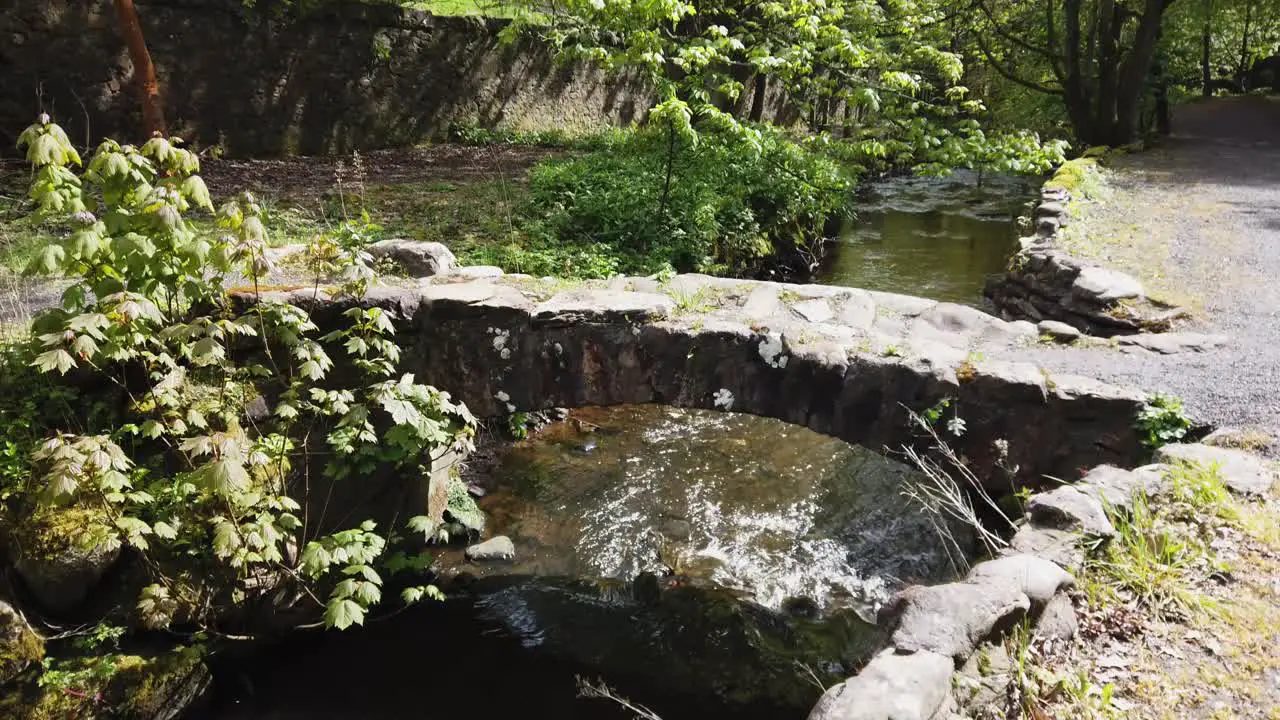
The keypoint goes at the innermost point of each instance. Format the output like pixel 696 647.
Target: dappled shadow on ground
pixel 1223 141
pixel 435 163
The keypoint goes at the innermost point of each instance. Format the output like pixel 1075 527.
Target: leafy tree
pixel 1093 54
pixel 1210 43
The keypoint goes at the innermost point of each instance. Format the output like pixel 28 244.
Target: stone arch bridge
pixel 842 361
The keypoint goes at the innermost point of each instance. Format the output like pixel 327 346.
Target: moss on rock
pixel 20 646
pixel 1073 175
pixel 61 553
pixel 156 687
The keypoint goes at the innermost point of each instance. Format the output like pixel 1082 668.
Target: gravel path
pixel 1204 210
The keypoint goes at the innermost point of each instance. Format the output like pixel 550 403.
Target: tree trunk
pixel 1206 42
pixel 757 98
pixel 1242 67
pixel 1134 70
pixel 144 72
pixel 1205 70
pixel 1109 31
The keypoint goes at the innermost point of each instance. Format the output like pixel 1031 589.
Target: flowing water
pixel 772 510
pixel 938 238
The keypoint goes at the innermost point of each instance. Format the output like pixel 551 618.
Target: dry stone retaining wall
pixel 270 80
pixel 841 361
pixel 1046 284
pixel 267 81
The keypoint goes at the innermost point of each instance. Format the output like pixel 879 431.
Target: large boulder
pixel 62 553
pixel 20 646
pixel 952 619
pixel 418 258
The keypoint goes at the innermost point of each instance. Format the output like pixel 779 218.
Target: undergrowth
pixel 1163 549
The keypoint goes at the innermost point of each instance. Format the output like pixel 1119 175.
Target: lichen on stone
pixel 723 399
pixel 773 350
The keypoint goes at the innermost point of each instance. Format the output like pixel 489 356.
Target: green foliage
pixel 1150 561
pixel 734 198
pixel 471 134
pixel 208 492
pixel 518 425
pixel 1240 32
pixel 1162 421
pixel 883 76
pixel 1080 177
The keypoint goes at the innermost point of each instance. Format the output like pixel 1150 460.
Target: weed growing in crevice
pixel 1162 421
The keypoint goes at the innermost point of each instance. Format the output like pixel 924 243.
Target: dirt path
pixel 1198 219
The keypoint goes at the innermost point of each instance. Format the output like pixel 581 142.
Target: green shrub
pixel 186 472
pixel 732 203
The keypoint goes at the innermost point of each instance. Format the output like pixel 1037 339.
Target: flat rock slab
pixel 952 619
pixel 817 310
pixel 1242 472
pixel 1172 343
pixel 1106 285
pixel 479 271
pixel 1059 331
pixel 893 686
pixel 1061 547
pixel 1118 487
pixel 1067 508
pixel 603 306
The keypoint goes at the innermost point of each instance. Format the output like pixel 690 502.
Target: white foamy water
pixel 773 510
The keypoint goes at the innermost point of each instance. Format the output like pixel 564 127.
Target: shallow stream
pixel 939 238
